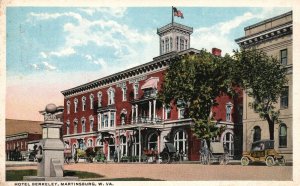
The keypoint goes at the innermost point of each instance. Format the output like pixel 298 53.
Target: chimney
pixel 216 51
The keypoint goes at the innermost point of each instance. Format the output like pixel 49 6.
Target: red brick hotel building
pixel 122 111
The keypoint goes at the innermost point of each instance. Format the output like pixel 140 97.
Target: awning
pixel 150 83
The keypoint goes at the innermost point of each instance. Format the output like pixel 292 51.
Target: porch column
pixel 149 111
pixel 140 145
pixel 132 112
pixel 163 112
pixel 136 113
pixel 154 111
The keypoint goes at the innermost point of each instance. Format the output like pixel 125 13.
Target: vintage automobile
pixel 217 152
pixel 262 151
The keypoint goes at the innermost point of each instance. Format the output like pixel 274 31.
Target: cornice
pixel 176 26
pixel 159 62
pixel 264 36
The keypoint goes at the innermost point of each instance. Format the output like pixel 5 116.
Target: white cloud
pixel 111 11
pixel 35 66
pixel 43 54
pixel 47 66
pixel 47 16
pixel 63 52
pixel 88 57
pixel 100 61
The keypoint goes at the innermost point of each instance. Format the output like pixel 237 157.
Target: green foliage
pixel 263 78
pixel 196 80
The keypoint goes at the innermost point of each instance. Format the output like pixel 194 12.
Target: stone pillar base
pixel 37 178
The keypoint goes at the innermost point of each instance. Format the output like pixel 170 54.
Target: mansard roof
pixel 159 62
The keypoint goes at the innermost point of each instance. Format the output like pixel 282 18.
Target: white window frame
pixel 184 140
pixel 179 112
pixel 75 128
pixel 92 101
pixel 91 122
pixel 135 90
pixel 156 142
pixel 228 108
pixel 83 125
pixel 83 101
pixel 229 141
pixel 111 96
pixel 89 142
pixel 99 95
pixel 68 106
pixel 123 145
pixel 112 119
pixel 75 105
pixel 124 91
pixel 167 109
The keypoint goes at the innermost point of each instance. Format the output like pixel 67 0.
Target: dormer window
pixel 111 96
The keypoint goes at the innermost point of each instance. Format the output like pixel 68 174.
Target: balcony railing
pixel 146 120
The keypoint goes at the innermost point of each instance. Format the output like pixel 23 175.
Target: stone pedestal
pixel 51 150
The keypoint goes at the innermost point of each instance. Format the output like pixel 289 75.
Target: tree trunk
pixel 271 127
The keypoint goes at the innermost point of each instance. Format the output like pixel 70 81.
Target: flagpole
pixel 172 16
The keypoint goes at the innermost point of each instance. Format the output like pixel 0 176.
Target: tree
pixel 195 81
pixel 263 78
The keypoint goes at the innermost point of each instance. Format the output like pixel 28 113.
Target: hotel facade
pixel 121 111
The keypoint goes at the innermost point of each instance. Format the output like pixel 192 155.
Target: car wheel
pixel 281 162
pixel 245 161
pixel 270 161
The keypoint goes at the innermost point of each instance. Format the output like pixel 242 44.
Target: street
pixel 181 172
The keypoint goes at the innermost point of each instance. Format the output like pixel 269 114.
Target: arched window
pixel 92 101
pixel 123 146
pixel 75 105
pixel 228 141
pixel 282 135
pixel 91 118
pixel 111 96
pixel 75 126
pixel 83 125
pixel 83 103
pixel 180 142
pixel 256 134
pixel 68 127
pixel 99 95
pixel 152 141
pixel 68 106
pixel 90 143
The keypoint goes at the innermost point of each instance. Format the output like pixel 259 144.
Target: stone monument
pixel 51 150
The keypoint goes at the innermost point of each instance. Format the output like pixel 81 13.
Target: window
pixel 186 44
pixel 163 46
pixel 177 43
pixel 152 141
pixel 83 125
pixel 75 126
pixel 228 111
pixel 124 89
pixel 283 57
pixel 181 44
pixel 100 142
pixel 228 141
pixel 99 98
pixel 136 145
pixel 136 90
pixel 68 106
pixel 168 112
pixel 180 141
pixel 68 127
pixel 123 116
pixel 92 101
pixel 284 99
pixel 282 135
pixel 181 113
pixel 171 43
pixel 75 105
pixel 91 123
pixel 167 45
pixel 90 143
pixel 111 96
pixel 83 103
pixel 123 146
pixel 257 133
pixel 112 119
pixel 105 120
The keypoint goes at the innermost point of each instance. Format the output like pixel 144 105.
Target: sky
pixel 49 50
